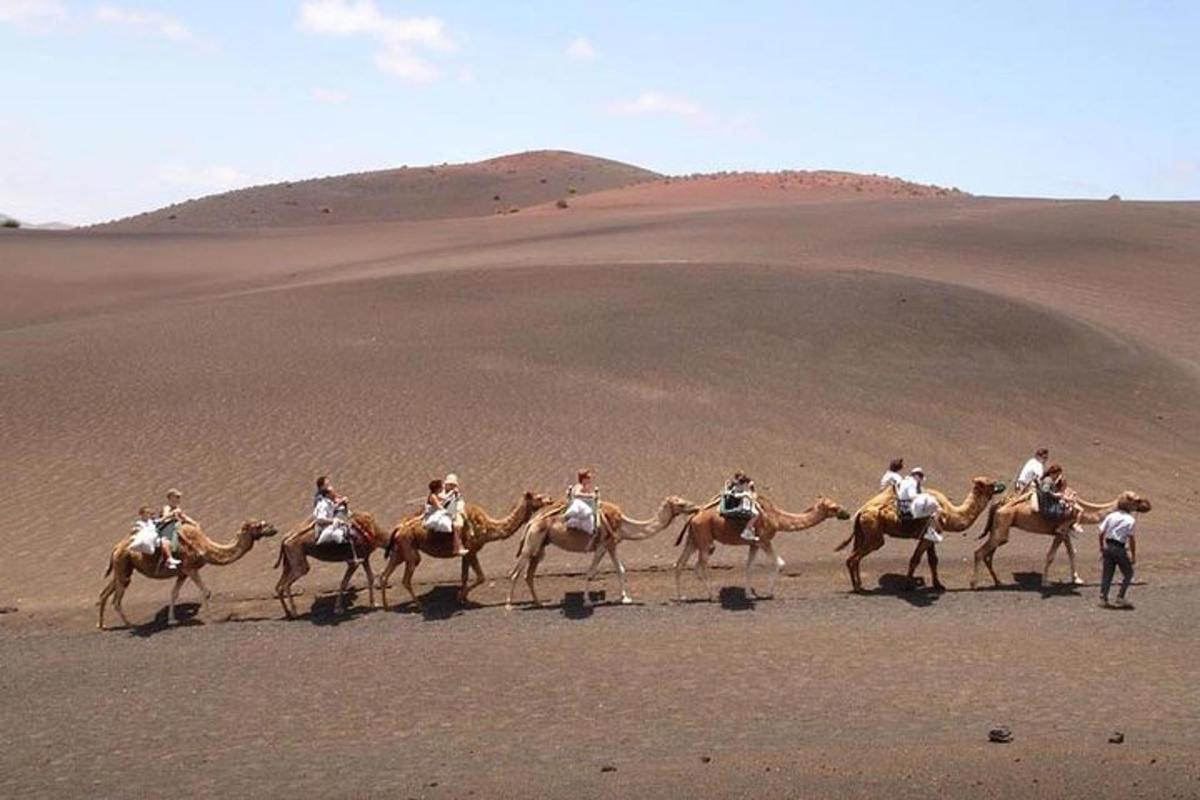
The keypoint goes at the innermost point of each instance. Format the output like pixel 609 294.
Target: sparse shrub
pixel 172 216
pixel 562 203
pixel 541 180
pixel 514 210
pixel 572 190
pixel 496 197
pixel 1115 198
pixel 326 210
pixel 9 222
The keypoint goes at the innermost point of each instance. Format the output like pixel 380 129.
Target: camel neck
pixel 221 553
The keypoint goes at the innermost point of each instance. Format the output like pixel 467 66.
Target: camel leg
pixel 175 598
pixel 777 564
pixel 370 573
pixel 1054 543
pixel 680 563
pixel 933 565
pixel 105 593
pixel 205 594
pixel 514 575
pixel 385 578
pixel 410 566
pixel 339 605
pixel 702 570
pixel 915 561
pixel 471 562
pixel 750 556
pixel 530 575
pixel 282 586
pixel 590 575
pixel 854 562
pixel 1075 579
pixel 620 568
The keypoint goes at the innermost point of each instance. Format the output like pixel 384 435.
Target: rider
pixel 914 502
pixel 1032 472
pixel 1056 500
pixel 456 508
pixel 169 522
pixel 892 477
pixel 435 518
pixel 583 500
pixel 145 539
pixel 328 510
pixel 742 487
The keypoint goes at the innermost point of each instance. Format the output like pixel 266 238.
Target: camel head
pixel 677 505
pixel 1140 504
pixel 536 500
pixel 831 508
pixel 258 529
pixel 987 487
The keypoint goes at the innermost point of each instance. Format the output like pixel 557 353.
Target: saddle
pixel 910 526
pixel 1051 507
pixel 735 507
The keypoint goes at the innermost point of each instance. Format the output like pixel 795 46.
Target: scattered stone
pixel 1000 735
pixel 1116 738
pixel 8 609
pixel 706 759
pixel 608 768
pixel 432 784
pixel 1114 198
pixel 1095 441
pixel 326 210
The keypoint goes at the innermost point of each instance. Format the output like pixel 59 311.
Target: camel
pixel 198 550
pixel 550 528
pixel 300 545
pixel 879 518
pixel 1018 512
pixel 409 539
pixel 704 530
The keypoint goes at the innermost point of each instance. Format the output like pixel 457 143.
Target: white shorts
pixel 439 522
pixel 580 516
pixel 924 506
pixel 333 533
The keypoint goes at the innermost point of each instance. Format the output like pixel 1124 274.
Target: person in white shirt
pixel 456 508
pixel 916 503
pixel 892 477
pixel 583 499
pixel 1032 472
pixel 742 487
pixel 1118 550
pixel 329 510
pixel 145 538
pixel 169 522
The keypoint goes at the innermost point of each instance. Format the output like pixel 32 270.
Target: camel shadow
pixel 1032 582
pixel 573 606
pixel 323 612
pixel 914 592
pixel 438 604
pixel 185 614
pixel 734 598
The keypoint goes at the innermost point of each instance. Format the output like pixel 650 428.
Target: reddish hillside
pixel 498 185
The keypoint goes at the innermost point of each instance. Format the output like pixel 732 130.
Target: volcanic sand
pixel 666 344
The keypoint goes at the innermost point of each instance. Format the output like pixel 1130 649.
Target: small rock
pixel 706 759
pixel 1116 738
pixel 1095 441
pixel 608 768
pixel 8 609
pixel 1000 735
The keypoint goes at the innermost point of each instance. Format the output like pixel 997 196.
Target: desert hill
pixel 497 185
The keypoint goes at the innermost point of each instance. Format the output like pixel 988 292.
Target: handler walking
pixel 1118 550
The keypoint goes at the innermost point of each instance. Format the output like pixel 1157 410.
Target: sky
pixel 111 108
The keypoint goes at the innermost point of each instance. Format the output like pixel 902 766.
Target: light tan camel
pixel 708 527
pixel 409 539
pixel 1018 512
pixel 300 545
pixel 880 518
pixel 197 551
pixel 550 528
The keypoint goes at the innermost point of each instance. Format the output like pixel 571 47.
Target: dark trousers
pixel 1115 555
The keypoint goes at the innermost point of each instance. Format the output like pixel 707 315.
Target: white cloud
pixel 215 177
pixel 35 14
pixel 659 103
pixel 323 95
pixel 580 49
pixel 151 23
pixel 400 39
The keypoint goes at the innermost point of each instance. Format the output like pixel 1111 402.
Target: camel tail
pixel 854 534
pixel 520 545
pixel 390 546
pixel 987 529
pixel 279 558
pixel 108 571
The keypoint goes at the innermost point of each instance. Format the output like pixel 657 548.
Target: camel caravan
pixel 170 545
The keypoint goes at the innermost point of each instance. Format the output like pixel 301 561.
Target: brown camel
pixel 550 528
pixel 879 518
pixel 300 545
pixel 409 539
pixel 1018 512
pixel 198 550
pixel 708 527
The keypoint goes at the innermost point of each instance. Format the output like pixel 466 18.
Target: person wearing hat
pixel 916 503
pixel 1032 472
pixel 168 524
pixel 456 508
pixel 329 510
pixel 583 499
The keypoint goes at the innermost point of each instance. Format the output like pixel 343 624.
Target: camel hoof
pixel 1078 581
pixel 937 587
pixel 626 600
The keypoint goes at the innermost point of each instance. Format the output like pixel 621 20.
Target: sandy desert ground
pixel 667 333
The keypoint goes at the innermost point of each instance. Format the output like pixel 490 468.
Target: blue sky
pixel 116 107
